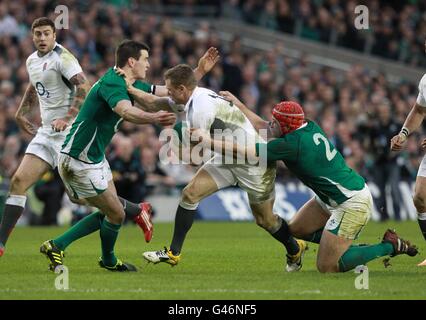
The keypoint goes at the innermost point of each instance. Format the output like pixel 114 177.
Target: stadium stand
pixel 352 103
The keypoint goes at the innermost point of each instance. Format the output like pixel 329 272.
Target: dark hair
pixel 182 74
pixel 43 21
pixel 128 49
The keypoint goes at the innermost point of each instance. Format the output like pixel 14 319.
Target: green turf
pixel 220 261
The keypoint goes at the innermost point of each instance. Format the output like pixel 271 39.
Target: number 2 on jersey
pixel 328 153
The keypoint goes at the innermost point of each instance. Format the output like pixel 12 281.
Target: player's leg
pixel 201 186
pixel 331 248
pixel 278 228
pixel 309 221
pixel 344 225
pixel 336 254
pixel 420 200
pixel 208 179
pixel 109 204
pixel 31 169
pixel 274 224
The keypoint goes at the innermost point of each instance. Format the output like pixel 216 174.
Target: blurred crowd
pixel 359 110
pixel 396 28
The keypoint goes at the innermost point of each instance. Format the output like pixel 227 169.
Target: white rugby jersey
pixel 207 110
pixel 421 98
pixel 50 75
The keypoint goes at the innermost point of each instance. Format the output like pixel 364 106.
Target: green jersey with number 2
pixel 315 161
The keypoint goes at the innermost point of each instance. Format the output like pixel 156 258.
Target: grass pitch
pixel 220 261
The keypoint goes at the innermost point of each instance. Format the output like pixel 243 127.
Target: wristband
pixel 405 131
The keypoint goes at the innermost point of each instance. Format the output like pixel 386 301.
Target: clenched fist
pixel 398 142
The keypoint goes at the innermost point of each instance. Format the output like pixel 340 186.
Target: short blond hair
pixel 182 74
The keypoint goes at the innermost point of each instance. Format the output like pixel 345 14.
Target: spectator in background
pixel 127 171
pixel 386 169
pixel 257 76
pixel 156 178
pixel 50 190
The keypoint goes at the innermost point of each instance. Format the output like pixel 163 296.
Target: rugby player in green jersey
pixel 342 204
pixel 83 167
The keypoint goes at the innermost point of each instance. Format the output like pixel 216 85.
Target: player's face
pixel 141 66
pixel 178 94
pixel 275 128
pixel 44 39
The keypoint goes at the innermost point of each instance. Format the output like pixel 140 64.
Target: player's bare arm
pixel 152 103
pixel 29 100
pixel 130 113
pixel 205 65
pixel 412 123
pixel 149 102
pixel 222 145
pixel 257 122
pixel 82 88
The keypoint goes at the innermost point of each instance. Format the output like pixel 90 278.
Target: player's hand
pixel 424 143
pixel 164 118
pixel 230 97
pixel 59 125
pixel 25 125
pixel 123 74
pixel 398 142
pixel 208 60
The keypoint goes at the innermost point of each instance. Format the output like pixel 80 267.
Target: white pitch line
pixel 141 290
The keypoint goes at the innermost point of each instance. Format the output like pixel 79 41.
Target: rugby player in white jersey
pixel 59 85
pixel 412 123
pixel 207 110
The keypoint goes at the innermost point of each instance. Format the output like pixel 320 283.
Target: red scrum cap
pixel 289 114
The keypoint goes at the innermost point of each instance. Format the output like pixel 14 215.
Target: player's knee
pixel 116 217
pixel 190 195
pixel 18 185
pixel 420 203
pixel 263 222
pixel 81 202
pixel 326 267
pixel 295 229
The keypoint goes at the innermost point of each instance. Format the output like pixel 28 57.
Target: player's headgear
pixel 289 114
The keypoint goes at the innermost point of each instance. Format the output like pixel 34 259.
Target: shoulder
pixel 32 57
pixel 111 79
pixel 64 57
pixel 203 97
pixel 422 83
pixel 63 52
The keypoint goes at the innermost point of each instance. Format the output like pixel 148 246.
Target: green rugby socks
pixel 360 255
pixel 84 227
pixel 109 234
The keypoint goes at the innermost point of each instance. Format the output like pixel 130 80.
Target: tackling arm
pixel 153 103
pixel 130 113
pixel 257 122
pixel 224 145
